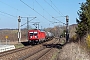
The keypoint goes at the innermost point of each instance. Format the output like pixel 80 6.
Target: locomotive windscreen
pixel 33 33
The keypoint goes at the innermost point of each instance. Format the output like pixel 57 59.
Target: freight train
pixel 37 36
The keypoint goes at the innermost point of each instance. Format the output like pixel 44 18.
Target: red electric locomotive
pixel 36 36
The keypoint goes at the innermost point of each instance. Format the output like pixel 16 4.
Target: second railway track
pixel 21 52
pixel 39 54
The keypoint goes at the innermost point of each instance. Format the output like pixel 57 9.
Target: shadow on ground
pixel 58 46
pixel 25 43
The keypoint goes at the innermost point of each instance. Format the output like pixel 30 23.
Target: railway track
pixel 21 53
pixel 52 54
pixel 39 54
pixel 14 50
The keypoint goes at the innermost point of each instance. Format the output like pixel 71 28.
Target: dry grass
pixel 72 51
pixel 12 35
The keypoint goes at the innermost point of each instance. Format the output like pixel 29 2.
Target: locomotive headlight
pixel 30 36
pixel 36 37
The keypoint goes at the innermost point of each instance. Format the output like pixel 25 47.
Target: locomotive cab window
pixel 31 33
pixel 35 33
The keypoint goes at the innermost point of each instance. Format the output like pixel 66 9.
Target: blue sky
pixel 44 10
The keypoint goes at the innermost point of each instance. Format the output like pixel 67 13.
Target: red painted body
pixel 36 35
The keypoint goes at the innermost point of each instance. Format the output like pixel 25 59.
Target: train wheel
pixel 29 42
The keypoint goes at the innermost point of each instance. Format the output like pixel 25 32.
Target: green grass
pixel 19 45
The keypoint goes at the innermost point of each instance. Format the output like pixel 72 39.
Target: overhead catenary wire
pixel 56 8
pixel 26 22
pixel 2 14
pixel 51 6
pixel 34 10
pixel 14 8
pixel 5 15
pixel 8 14
pixel 58 20
pixel 43 8
pixel 49 13
pixel 39 4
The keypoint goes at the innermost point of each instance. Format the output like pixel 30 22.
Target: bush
pixel 74 38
